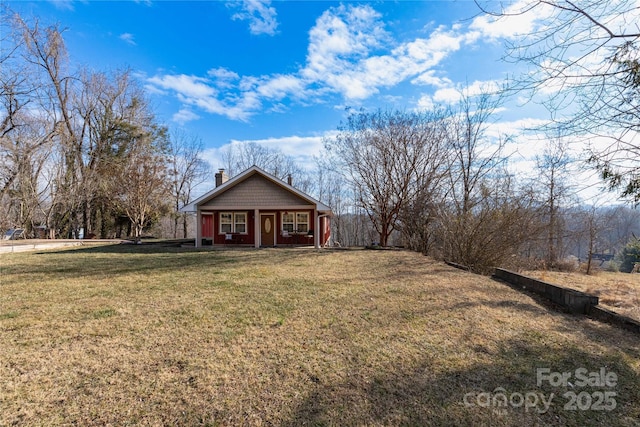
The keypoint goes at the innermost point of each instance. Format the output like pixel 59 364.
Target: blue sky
pixel 283 73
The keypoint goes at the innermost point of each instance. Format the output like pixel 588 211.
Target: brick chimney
pixel 221 177
pixel 289 179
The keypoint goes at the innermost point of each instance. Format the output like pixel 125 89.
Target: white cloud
pixel 200 92
pixel 189 86
pixel 63 4
pixel 340 47
pixel 261 16
pixel 420 55
pixel 223 78
pixel 429 78
pixel 449 95
pixel 520 19
pixel 280 86
pixel 520 126
pixel 155 90
pixel 244 106
pixel 184 115
pixel 214 106
pixel 222 73
pixel 526 145
pixel 350 54
pixel 214 156
pixel 127 38
pixel 425 103
pixel 302 149
pixel 453 93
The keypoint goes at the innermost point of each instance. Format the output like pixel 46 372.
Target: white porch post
pixel 256 227
pixel 198 228
pixel 316 232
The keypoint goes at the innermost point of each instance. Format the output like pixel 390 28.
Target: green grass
pixel 8 315
pixel 106 312
pixel 138 335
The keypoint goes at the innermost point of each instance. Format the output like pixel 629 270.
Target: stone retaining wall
pixel 614 318
pixel 574 301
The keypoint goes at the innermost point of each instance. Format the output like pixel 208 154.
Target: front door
pixel 267 230
pixel 207 226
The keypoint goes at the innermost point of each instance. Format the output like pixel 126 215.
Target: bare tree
pixel 388 157
pixel 498 227
pixel 106 106
pixel 474 158
pixel 46 57
pixel 186 171
pixel 26 156
pixel 553 175
pixel 141 185
pixel 420 219
pixel 25 137
pixel 484 217
pixel 583 58
pixel 594 223
pixel 81 133
pixel 350 226
pixel 239 156
pixel 14 85
pixel 623 223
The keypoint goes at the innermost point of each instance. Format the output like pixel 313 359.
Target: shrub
pixel 569 264
pixel 613 266
pixel 630 255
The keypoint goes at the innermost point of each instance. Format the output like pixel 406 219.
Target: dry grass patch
pixel 149 336
pixel 619 292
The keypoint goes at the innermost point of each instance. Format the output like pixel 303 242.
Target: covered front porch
pixel 262 227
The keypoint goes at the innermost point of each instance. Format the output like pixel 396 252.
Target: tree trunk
pixel 184 226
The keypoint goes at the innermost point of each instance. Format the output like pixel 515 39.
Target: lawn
pixel 135 335
pixel 619 292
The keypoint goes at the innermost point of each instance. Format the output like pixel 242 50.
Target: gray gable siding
pixel 255 192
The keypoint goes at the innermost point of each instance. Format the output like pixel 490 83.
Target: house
pixel 257 209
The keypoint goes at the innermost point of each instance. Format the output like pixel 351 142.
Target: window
pixel 240 222
pixel 287 222
pixel 295 222
pixel 226 222
pixel 233 222
pixel 302 221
